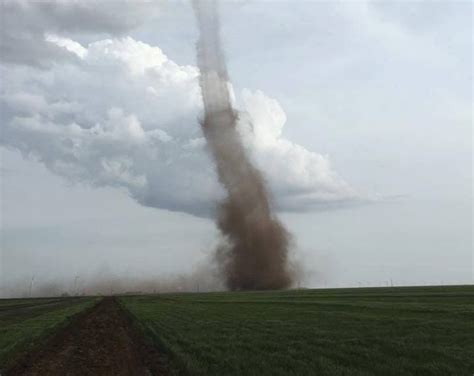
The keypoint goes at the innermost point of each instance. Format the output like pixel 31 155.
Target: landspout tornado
pixel 253 254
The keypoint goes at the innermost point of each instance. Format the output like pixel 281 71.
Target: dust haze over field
pixel 253 253
pixel 202 278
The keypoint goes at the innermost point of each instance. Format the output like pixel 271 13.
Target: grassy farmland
pixel 371 331
pixel 24 323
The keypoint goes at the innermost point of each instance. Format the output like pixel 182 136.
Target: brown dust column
pixel 253 254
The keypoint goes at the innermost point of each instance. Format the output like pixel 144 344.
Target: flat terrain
pixel 365 331
pixel 25 323
pixel 371 331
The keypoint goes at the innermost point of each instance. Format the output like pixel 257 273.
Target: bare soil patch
pixel 100 342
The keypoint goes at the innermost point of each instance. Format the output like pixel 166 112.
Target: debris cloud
pixel 253 254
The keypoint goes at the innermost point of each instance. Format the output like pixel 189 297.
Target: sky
pixel 358 113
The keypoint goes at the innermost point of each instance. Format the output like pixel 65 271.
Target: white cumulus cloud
pixel 123 114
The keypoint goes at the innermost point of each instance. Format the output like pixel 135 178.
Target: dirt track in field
pixel 101 342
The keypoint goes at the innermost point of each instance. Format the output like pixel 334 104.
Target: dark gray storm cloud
pixel 24 25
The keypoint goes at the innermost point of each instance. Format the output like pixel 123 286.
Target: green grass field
pixel 367 331
pixel 24 323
